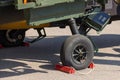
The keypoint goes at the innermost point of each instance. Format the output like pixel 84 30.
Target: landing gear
pixel 84 29
pixel 10 38
pixel 77 51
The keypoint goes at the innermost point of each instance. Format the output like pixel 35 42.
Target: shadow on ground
pixel 106 40
pixel 44 51
pixel 47 51
pixel 107 62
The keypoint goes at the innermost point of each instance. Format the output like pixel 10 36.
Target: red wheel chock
pixel 66 69
pixel 1 46
pixel 92 65
pixel 26 44
pixel 70 70
pixel 23 44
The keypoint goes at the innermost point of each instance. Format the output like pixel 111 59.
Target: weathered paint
pixel 20 25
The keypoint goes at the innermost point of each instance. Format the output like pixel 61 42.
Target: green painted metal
pixel 6 2
pixel 39 3
pixel 20 5
pixel 45 11
pixel 51 2
pixel 43 3
pixel 57 12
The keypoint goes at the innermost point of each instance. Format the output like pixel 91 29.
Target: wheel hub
pixel 79 54
pixel 20 37
pixel 13 37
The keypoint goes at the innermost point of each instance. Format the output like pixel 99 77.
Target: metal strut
pixel 41 35
pixel 73 26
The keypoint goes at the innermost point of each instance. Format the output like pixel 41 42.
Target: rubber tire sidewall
pixel 68 48
pixel 6 43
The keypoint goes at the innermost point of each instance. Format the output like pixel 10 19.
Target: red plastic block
pixel 66 69
pixel 92 65
pixel 26 44
pixel 1 46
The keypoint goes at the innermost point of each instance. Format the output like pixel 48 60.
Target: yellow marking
pixel 20 25
pixel 25 1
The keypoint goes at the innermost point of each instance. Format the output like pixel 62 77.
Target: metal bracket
pixel 41 35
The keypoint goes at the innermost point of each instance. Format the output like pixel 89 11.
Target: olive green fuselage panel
pixel 45 11
pixel 36 16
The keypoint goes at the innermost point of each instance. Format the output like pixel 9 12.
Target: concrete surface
pixel 37 61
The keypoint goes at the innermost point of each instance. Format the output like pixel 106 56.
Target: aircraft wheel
pixel 10 38
pixel 77 51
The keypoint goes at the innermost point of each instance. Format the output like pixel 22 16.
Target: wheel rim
pixel 12 36
pixel 79 54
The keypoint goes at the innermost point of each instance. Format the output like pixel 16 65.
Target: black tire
pixel 71 45
pixel 11 38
